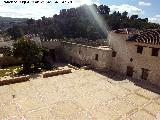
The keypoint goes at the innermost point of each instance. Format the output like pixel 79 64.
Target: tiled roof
pixel 125 31
pixel 148 36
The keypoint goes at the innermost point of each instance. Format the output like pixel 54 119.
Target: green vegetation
pixel 87 21
pixel 10 70
pixel 29 52
pixel 15 32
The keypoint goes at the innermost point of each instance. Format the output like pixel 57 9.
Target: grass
pixel 11 70
pixel 3 72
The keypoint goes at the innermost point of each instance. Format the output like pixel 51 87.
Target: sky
pixel 144 8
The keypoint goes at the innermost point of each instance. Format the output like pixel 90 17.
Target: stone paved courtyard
pixel 81 95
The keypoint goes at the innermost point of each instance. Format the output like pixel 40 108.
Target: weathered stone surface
pixel 153 108
pixel 81 95
pixel 42 114
pixel 137 100
pixel 147 94
pixel 142 115
pixel 104 113
pixel 14 80
pixel 56 72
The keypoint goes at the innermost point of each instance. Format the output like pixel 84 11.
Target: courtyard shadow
pixel 112 75
pixel 141 83
pixel 146 85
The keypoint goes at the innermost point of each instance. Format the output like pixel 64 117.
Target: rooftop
pixel 82 95
pixel 148 36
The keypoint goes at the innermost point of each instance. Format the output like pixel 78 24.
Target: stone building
pixel 129 53
pixel 137 56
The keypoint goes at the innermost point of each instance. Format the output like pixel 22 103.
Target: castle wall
pixel 81 54
pixel 51 44
pixel 86 55
pixel 126 55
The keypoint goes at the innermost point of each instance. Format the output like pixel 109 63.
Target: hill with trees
pixel 87 21
pixel 7 22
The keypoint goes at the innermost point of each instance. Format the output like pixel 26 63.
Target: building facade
pixel 138 56
pixel 129 53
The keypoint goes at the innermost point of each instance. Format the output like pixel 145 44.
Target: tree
pixel 134 17
pixel 124 14
pixel 15 32
pixel 84 22
pixel 30 23
pixel 103 9
pixel 28 51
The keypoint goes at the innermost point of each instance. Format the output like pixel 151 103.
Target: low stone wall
pixel 9 80
pixel 55 73
pixel 14 80
pixel 71 66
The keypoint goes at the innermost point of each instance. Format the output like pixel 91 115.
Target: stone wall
pixel 145 61
pixel 9 60
pixel 127 56
pixel 51 44
pixel 87 55
pixel 81 54
pixel 118 43
pixel 116 57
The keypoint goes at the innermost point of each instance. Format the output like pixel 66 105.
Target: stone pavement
pixel 81 95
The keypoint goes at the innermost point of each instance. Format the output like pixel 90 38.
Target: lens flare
pixel 100 21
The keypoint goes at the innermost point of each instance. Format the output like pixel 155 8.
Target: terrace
pixel 80 95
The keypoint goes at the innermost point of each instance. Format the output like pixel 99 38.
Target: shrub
pixel 29 52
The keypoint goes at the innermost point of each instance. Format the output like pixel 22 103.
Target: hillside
pixel 7 22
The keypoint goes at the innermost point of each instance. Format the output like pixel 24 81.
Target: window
pixel 96 57
pixel 131 59
pixel 139 49
pixel 155 51
pixel 144 74
pixel 114 54
pixel 79 51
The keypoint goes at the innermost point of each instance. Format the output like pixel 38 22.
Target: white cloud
pixel 125 7
pixel 144 4
pixel 36 11
pixel 30 10
pixel 77 3
pixel 155 19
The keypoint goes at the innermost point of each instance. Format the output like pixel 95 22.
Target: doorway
pixel 129 71
pixel 52 54
pixel 145 74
